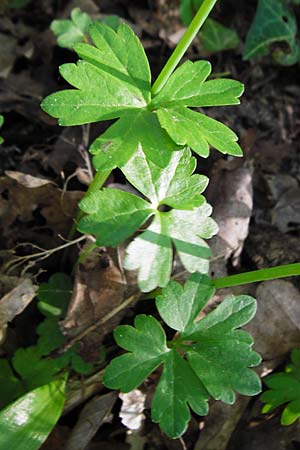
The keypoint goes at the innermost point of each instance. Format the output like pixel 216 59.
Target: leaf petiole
pixel 286 270
pixel 183 45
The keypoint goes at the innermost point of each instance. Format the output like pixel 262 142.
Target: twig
pixel 101 321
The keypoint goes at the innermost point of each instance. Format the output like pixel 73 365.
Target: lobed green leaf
pixel 198 131
pixel 69 32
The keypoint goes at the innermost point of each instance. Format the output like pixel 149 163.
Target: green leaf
pixel 174 185
pixel 138 130
pixel 273 22
pixel 284 388
pixel 112 21
pixel 147 344
pixel 39 371
pixel 10 387
pixel 187 87
pixel 222 354
pixel 214 361
pixel 177 390
pixel 69 32
pixel 186 229
pixel 214 37
pixel 1 123
pixel 188 8
pixel 198 131
pixel 26 423
pixel 114 78
pixel 50 336
pixel 179 306
pixel 54 296
pixel 113 215
pixel 151 254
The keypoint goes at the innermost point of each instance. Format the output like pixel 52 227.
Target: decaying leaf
pixel 28 201
pixel 15 302
pixel 230 192
pixel 99 287
pixel 90 420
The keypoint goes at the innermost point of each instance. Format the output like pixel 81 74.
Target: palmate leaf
pixel 284 389
pixel 136 130
pixel 198 131
pixel 187 88
pixel 114 215
pixel 213 362
pixel 112 77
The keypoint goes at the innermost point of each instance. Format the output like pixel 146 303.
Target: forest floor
pixel 45 170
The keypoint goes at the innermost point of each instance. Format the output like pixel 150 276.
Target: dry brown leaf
pixel 14 303
pixel 99 288
pixel 27 201
pixel 90 420
pixel 231 195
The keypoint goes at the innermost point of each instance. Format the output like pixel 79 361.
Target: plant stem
pixel 287 270
pixel 183 45
pixel 96 184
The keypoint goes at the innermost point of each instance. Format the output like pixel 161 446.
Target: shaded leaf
pixel 10 386
pixel 273 22
pixel 284 388
pixel 174 185
pixel 26 423
pixel 1 123
pixel 113 215
pixel 40 370
pixel 69 32
pixel 54 296
pixel 188 8
pixel 139 130
pixel 215 37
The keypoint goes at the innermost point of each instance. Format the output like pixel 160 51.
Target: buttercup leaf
pixel 187 87
pixel 218 356
pixel 69 32
pixel 131 133
pixel 179 306
pixel 198 131
pixel 284 389
pixel 112 78
pixel 54 296
pixel 113 215
pixel 174 185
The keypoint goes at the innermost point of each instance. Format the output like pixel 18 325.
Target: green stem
pixel 183 45
pixel 96 184
pixel 287 270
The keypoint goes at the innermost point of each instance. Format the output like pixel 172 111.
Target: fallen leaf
pixel 14 303
pixel 99 287
pixel 91 418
